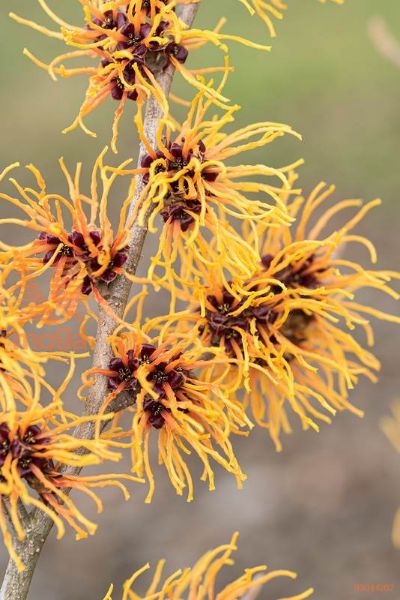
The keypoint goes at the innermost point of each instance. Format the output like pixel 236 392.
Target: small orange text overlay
pixel 63 337
pixel 374 588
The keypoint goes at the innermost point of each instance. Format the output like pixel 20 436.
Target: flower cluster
pixel 191 185
pixel 200 580
pixel 73 238
pixel 287 331
pixel 36 450
pixel 171 401
pixel 132 41
pixel 268 327
pixel 40 458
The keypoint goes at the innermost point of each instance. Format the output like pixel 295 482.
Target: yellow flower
pixel 74 238
pixel 288 330
pixel 36 450
pixel 170 401
pixel 199 582
pixel 391 427
pixel 191 183
pixel 131 42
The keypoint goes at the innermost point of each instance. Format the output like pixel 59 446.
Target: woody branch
pixel 37 525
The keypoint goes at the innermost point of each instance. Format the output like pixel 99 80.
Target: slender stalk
pixel 384 41
pixel 38 526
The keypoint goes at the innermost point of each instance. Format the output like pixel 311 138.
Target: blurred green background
pixel 324 507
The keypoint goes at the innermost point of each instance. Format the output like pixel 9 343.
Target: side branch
pixel 16 584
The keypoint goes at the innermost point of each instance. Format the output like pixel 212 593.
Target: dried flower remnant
pixel 187 413
pixel 192 186
pixel 287 332
pixel 201 580
pixel 36 450
pixel 132 42
pixel 74 237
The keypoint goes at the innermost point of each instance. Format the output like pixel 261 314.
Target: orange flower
pixel 74 238
pixel 132 41
pixel 287 331
pixel 171 400
pixel 36 451
pixel 191 183
pixel 199 581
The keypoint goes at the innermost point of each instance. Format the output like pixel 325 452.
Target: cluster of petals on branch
pixel 37 447
pixel 191 183
pixel 200 581
pixel 287 332
pixel 132 41
pixel 74 239
pixel 23 378
pixel 40 457
pixel 186 414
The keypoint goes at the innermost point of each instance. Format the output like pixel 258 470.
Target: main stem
pixel 38 525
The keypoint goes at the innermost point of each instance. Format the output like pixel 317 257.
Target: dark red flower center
pixel 26 449
pixel 154 56
pixel 297 277
pixel 124 377
pixel 77 250
pixel 224 326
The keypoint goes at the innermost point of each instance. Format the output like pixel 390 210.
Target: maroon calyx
pixel 182 211
pixel 155 410
pixel 177 160
pixel 295 328
pixel 77 250
pixel 124 377
pixel 124 373
pixel 295 277
pixel 26 449
pixel 223 325
pixel 155 55
pixel 175 378
pixel 54 242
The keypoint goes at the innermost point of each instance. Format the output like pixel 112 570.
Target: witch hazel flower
pixel 36 450
pixel 288 332
pixel 200 580
pixel 131 41
pixel 74 239
pixel 194 190
pixel 171 403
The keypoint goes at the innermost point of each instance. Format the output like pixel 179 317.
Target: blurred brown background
pixel 324 507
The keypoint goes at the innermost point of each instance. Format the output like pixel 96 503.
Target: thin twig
pixel 16 584
pixel 384 41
